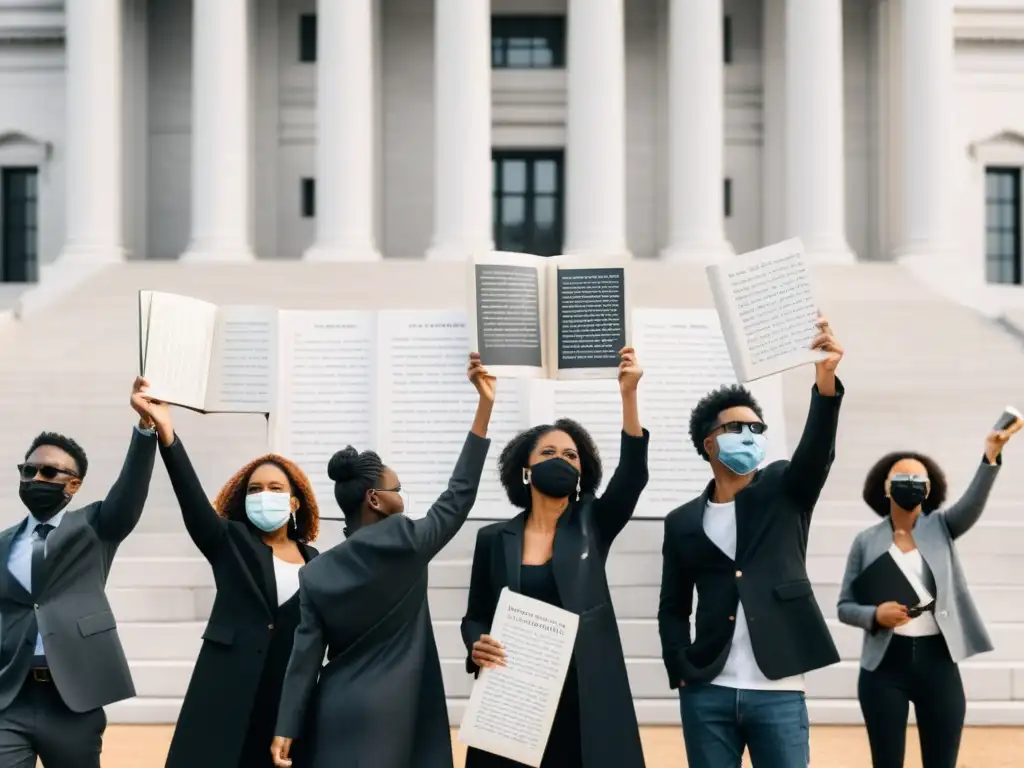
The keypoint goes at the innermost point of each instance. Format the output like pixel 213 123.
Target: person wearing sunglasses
pixel 743 543
pixel 911 652
pixel 380 699
pixel 61 660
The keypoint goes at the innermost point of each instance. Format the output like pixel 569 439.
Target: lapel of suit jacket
pixel 930 541
pixel 569 554
pixel 10 586
pixel 512 541
pixel 261 560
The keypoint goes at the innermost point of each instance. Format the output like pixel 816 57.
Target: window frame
pixel 308 54
pixel 998 259
pixel 29 257
pixel 551 28
pixel 529 195
pixel 307 197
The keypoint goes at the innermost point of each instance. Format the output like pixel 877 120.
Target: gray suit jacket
pixel 72 614
pixel 934 534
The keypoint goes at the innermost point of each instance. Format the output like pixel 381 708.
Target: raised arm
pixel 616 505
pixel 301 676
pixel 202 522
pixel 961 516
pixel 482 599
pixel 674 608
pixel 850 611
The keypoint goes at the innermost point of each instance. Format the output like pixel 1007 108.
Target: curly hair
pixel 230 502
pixel 516 456
pixel 66 444
pixel 874 483
pixel 705 412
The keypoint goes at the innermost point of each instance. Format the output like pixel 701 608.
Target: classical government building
pixel 673 129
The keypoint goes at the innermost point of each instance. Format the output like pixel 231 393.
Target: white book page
pixel 507 308
pixel 426 405
pixel 179 342
pixel 684 357
pixel 325 391
pixel 768 296
pixel 243 365
pixel 512 708
pixel 145 303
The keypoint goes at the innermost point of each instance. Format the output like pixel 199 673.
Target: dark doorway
pixel 19 240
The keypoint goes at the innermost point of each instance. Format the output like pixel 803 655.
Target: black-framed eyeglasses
pixel 396 489
pixel 735 427
pixel 45 471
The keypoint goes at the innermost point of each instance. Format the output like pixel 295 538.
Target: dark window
pixel 1002 225
pixel 307 38
pixel 528 201
pixel 727 198
pixel 727 39
pixel 19 218
pixel 528 42
pixel 308 198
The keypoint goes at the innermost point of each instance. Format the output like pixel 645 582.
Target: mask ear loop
pixel 578 480
pixel 526 476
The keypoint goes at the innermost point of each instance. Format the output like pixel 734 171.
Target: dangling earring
pixel 526 476
pixel 577 489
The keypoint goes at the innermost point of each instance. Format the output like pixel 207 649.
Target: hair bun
pixel 342 466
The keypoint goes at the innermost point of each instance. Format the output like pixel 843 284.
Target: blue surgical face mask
pixel 741 452
pixel 268 510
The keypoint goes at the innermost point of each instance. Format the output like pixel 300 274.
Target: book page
pixel 145 303
pixel 506 318
pixel 324 391
pixel 244 361
pixel 512 708
pixel 590 316
pixel 767 305
pixel 179 342
pixel 684 357
pixel 426 405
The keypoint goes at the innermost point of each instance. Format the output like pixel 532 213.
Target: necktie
pixel 39 558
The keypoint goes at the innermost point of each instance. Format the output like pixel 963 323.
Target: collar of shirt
pixel 54 521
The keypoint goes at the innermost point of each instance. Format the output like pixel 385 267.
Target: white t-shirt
pixel 912 565
pixel 740 670
pixel 287 576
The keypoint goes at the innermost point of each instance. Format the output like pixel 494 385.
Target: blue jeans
pixel 719 722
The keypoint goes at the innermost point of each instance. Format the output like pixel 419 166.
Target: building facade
pixel 356 129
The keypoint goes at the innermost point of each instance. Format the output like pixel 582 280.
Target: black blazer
pixel 608 724
pixel 773 517
pixel 236 683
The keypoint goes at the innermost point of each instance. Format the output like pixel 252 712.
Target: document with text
pixel 512 708
pixel 768 310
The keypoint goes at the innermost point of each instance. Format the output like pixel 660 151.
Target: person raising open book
pixel 911 649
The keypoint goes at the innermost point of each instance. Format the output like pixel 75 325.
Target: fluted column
pixel 221 132
pixel 94 161
pixel 696 136
pixel 462 129
pixel 345 126
pixel 595 202
pixel 815 162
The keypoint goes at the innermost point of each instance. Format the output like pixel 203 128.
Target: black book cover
pixel 882 582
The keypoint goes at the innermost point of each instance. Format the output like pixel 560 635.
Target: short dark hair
pixel 354 474
pixel 516 456
pixel 874 483
pixel 705 412
pixel 66 444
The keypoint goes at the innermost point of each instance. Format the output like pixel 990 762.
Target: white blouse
pixel 913 565
pixel 287 576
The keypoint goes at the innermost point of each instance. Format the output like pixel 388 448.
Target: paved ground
pixel 831 747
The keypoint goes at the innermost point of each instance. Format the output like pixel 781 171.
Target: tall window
pixel 727 39
pixel 307 38
pixel 307 198
pixel 19 225
pixel 528 42
pixel 1002 225
pixel 528 201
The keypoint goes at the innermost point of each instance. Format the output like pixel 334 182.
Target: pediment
pixel 1004 146
pixel 19 148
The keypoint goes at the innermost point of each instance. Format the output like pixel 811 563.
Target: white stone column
pixel 815 163
pixel 595 196
pixel 927 107
pixel 221 132
pixel 95 129
pixel 462 129
pixel 345 159
pixel 696 133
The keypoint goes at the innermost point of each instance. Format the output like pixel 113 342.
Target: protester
pixel 380 700
pixel 256 537
pixel 910 653
pixel 555 551
pixel 61 659
pixel 742 543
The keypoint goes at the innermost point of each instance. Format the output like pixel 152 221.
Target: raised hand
pixel 826 342
pixel 630 371
pixel 138 402
pixel 279 751
pixel 998 438
pixel 483 381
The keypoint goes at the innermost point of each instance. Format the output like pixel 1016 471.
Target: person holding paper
pixel 256 537
pixel 555 551
pixel 743 544
pixel 61 659
pixel 380 700
pixel 911 652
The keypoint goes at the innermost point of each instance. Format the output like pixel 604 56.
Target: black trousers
pixel 915 670
pixel 39 724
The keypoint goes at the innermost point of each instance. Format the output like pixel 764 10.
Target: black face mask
pixel 44 500
pixel 908 494
pixel 556 478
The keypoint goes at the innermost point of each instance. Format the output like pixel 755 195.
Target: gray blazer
pixel 934 534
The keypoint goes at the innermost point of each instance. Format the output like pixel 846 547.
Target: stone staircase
pixel 920 372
